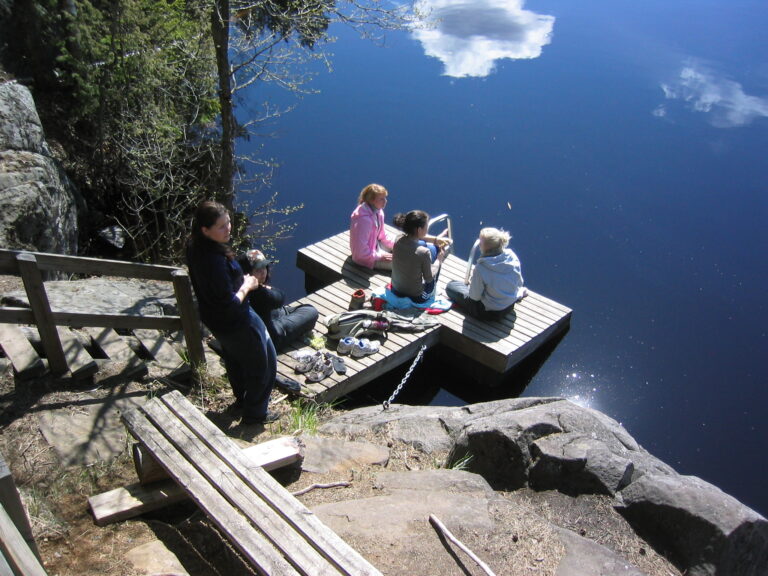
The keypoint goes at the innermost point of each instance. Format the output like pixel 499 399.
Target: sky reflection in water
pixel 624 148
pixel 723 101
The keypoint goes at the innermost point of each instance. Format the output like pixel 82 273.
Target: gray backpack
pixel 361 323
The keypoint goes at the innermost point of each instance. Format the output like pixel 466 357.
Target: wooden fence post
pixel 190 322
pixel 41 309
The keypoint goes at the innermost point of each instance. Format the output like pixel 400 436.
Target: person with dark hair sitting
pixel 415 263
pixel 285 324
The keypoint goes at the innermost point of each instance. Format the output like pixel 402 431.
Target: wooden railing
pixel 30 266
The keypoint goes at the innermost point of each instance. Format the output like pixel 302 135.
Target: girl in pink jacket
pixel 368 239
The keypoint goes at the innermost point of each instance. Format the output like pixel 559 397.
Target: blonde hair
pixel 494 239
pixel 370 192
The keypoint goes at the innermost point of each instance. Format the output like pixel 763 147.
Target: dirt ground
pixel 71 544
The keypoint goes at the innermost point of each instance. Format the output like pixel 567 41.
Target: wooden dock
pixel 497 346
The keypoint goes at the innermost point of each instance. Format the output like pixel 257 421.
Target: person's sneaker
pixel 266 419
pixel 345 345
pixel 364 347
pixel 287 385
pixel 307 362
pixel 321 370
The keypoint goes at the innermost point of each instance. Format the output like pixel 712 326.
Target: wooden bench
pixel 154 490
pixel 274 532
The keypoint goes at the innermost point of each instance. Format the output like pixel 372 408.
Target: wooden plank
pixel 121 321
pixel 135 499
pixel 14 315
pixel 41 309
pixel 80 363
pixel 190 322
pixel 117 350
pixel 81 265
pixel 19 557
pixel 342 556
pixel 269 455
pixel 26 361
pixel 163 353
pixel 10 499
pixel 253 547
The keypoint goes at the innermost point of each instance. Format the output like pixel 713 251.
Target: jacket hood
pixel 502 263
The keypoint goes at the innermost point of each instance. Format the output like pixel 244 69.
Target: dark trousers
pixel 289 323
pixel 251 363
pixel 458 292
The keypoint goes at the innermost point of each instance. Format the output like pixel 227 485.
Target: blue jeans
pixel 251 363
pixel 432 249
pixel 289 323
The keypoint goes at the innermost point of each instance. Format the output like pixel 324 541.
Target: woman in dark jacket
pixel 285 324
pixel 222 295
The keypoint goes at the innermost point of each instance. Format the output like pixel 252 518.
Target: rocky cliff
pixel 40 206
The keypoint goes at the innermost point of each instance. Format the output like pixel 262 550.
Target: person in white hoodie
pixel 496 282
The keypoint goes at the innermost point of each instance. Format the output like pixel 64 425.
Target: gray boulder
pixel 552 444
pixel 584 557
pixel 20 127
pixel 702 529
pixel 430 429
pixel 40 204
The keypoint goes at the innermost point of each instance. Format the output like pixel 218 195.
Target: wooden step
pixel 164 354
pixel 116 349
pixel 79 362
pixel 27 363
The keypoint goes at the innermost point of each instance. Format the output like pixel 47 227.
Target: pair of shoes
pixel 364 347
pixel 266 419
pixel 345 345
pixel 321 369
pixel 287 385
pixel 307 362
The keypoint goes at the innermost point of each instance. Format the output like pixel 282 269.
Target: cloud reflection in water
pixel 723 100
pixel 468 37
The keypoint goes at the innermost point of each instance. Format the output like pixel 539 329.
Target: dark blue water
pixel 626 154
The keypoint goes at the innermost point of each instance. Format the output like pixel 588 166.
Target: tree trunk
pixel 220 32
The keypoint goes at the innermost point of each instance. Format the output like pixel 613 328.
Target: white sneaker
pixel 346 345
pixel 365 347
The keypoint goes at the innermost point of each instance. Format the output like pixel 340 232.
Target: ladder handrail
pixel 448 225
pixel 471 260
pixel 438 220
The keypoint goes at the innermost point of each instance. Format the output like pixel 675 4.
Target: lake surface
pixel 624 147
